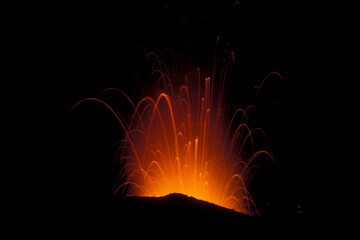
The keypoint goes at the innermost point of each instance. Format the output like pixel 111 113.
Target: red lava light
pixel 180 141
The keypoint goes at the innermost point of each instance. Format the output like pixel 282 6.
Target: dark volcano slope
pixel 172 205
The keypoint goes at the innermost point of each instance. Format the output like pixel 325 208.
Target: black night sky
pixel 92 47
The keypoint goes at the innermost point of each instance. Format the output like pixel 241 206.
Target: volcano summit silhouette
pixel 174 204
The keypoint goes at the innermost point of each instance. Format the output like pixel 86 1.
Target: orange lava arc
pixel 179 142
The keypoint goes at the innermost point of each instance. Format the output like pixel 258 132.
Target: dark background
pixel 89 48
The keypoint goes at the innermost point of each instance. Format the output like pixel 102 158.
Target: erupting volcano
pixel 179 140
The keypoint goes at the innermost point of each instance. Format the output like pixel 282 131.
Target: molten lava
pixel 179 142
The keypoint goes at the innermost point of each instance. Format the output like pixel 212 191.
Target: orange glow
pixel 179 142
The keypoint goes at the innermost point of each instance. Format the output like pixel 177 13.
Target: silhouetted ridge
pixel 174 204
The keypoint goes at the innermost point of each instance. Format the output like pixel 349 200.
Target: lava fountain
pixel 179 140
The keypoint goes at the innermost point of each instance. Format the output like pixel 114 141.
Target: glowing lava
pixel 180 142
